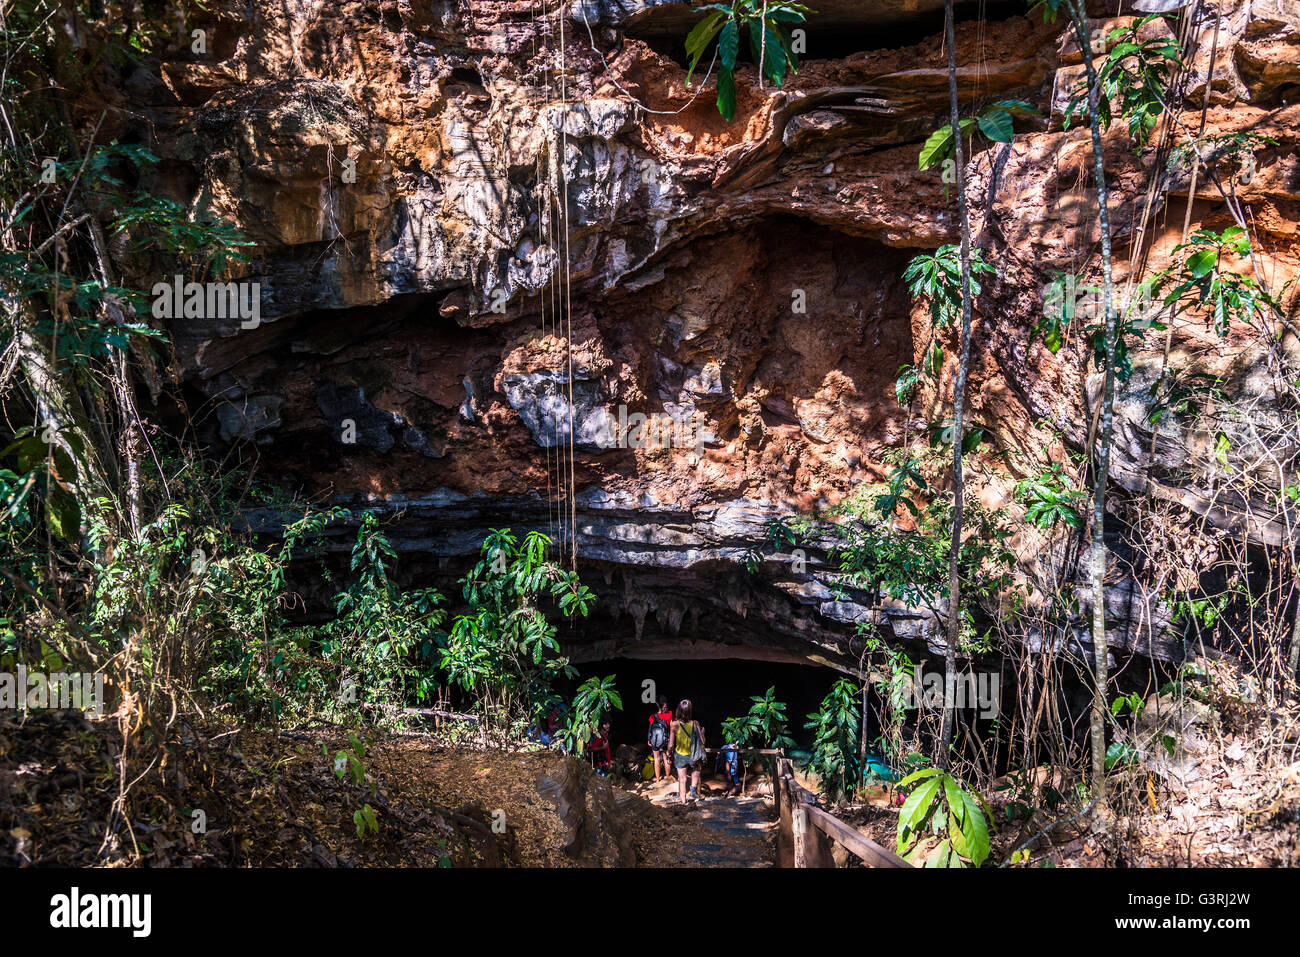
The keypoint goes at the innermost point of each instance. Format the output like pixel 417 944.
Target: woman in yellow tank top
pixel 683 732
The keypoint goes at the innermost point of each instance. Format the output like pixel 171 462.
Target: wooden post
pixel 808 836
pixel 799 824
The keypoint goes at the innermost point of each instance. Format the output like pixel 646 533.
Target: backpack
pixel 658 737
pixel 727 760
pixel 697 744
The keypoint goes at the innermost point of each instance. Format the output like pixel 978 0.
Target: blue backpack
pixel 730 757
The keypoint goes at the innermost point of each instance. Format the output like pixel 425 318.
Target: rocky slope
pixel 479 221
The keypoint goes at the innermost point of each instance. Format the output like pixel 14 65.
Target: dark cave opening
pixel 719 688
pixel 839 28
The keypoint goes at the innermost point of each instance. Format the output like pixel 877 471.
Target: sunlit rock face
pixel 476 251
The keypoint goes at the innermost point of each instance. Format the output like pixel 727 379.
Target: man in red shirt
pixel 598 747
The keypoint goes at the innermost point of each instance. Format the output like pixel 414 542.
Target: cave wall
pixel 522 247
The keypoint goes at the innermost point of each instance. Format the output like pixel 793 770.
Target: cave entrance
pixel 837 29
pixel 718 688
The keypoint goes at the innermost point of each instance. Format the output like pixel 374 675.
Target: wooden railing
pixel 808 834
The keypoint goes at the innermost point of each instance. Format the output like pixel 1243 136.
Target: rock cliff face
pixel 477 222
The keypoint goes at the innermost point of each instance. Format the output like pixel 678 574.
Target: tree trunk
pixel 122 390
pixel 1293 659
pixel 959 407
pixel 56 407
pixel 1100 651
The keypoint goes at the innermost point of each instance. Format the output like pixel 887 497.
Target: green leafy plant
pixel 45 470
pixel 1204 611
pixel 935 278
pixel 1221 152
pixel 1049 498
pixel 905 385
pixel 910 562
pixel 943 433
pixel 1066 298
pixel 995 121
pixel 894 683
pixel 765 24
pixel 595 698
pixel 1133 701
pixel 764 726
pixel 1178 685
pixel 350 762
pixel 1119 754
pixel 505 650
pixel 1200 279
pixel 779 533
pixel 1060 306
pixel 1133 75
pixel 1131 326
pixel 941 822
pixel 836 728
pixel 365 820
pixel 905 481
pixel 1183 393
pixel 385 637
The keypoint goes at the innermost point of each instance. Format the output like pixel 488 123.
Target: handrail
pixel 807 839
pixel 850 837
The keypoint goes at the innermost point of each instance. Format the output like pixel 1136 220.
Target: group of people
pixel 677 747
pixel 680 738
pixel 598 748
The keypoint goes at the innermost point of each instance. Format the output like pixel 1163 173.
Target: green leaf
pixel 726 94
pixel 917 805
pixel 1119 752
pixel 698 40
pixel 787 44
pixel 975 831
pixel 995 123
pixel 940 856
pixel 1202 263
pixel 729 44
pixel 704 31
pixel 936 148
pixel 972 440
pixel 1017 106
pixel 952 791
pixel 920 775
pixel 773 57
pixel 934 360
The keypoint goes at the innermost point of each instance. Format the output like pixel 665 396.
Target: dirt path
pixel 711 832
pixel 277 800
